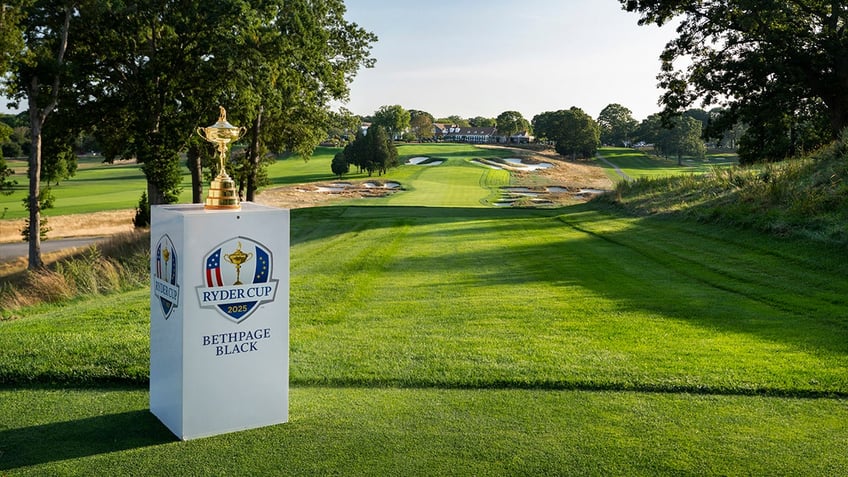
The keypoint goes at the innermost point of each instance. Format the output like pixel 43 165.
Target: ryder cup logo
pixel 165 287
pixel 237 278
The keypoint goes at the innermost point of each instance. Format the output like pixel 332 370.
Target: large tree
pixel 617 124
pixel 677 136
pixel 298 56
pixel 750 56
pixel 372 151
pixel 421 124
pixel 573 131
pixel 274 65
pixel 510 123
pixel 382 152
pixel 393 118
pixel 482 122
pixel 34 38
pixel 156 66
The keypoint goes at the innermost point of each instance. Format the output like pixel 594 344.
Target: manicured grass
pixel 455 183
pixel 390 431
pixel 431 340
pixel 638 164
pixel 97 186
pixel 94 187
pixel 438 337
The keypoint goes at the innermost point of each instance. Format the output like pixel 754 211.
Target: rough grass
pixel 119 264
pixel 802 197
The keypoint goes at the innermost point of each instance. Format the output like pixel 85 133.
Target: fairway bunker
pixel 424 161
pixel 553 179
pixel 370 188
pixel 514 164
pixel 542 196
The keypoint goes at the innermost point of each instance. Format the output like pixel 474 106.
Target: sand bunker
pixel 513 164
pixel 424 161
pixel 518 163
pixel 370 188
pixel 541 196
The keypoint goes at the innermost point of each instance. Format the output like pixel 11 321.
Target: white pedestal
pixel 219 318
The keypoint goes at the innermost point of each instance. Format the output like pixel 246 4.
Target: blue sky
pixel 480 58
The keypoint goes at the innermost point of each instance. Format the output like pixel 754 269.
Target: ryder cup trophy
pixel 223 193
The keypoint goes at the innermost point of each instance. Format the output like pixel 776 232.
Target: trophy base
pixel 223 194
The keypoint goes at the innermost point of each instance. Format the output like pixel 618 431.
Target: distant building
pixel 473 135
pixel 523 137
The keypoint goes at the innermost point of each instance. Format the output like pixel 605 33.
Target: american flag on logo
pixel 213 270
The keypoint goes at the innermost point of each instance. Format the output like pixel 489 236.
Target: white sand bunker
pixel 424 161
pixel 514 196
pixel 335 187
pixel 371 188
pixel 518 163
pixel 381 185
pixel 514 164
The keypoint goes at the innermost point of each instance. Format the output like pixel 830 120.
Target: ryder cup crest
pixel 237 278
pixel 165 286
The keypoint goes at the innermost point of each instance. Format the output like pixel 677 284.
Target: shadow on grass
pixel 60 441
pixel 321 222
pixel 719 279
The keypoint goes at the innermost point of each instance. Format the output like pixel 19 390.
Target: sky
pixel 481 58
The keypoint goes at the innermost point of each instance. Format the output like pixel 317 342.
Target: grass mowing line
pixel 470 297
pixel 758 276
pixel 637 164
pixel 490 298
pixel 469 267
pixel 374 431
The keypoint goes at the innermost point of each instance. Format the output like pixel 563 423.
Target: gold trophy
pixel 223 193
pixel 238 258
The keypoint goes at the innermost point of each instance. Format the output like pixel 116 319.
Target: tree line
pixel 141 75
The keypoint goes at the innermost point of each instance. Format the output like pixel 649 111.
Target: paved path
pixel 15 250
pixel 617 169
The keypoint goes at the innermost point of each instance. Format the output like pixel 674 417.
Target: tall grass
pixel 804 197
pixel 118 265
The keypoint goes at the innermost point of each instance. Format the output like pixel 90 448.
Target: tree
pixel 684 138
pixel 275 65
pixel 753 57
pixel 355 153
pixel 544 126
pixel 617 124
pixel 677 136
pixel 373 151
pixel 510 123
pixel 394 119
pixel 6 184
pixel 34 39
pixel 455 120
pixel 573 131
pixel 295 62
pixel 143 110
pixel 481 122
pixel 421 124
pixel 342 126
pixel 382 152
pixel 339 165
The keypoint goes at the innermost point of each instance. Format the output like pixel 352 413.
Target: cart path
pixel 617 169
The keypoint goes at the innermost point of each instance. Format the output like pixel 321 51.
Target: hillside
pixel 803 198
